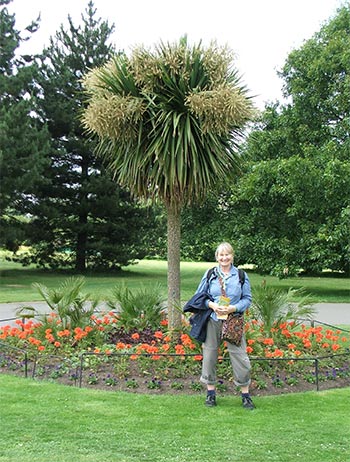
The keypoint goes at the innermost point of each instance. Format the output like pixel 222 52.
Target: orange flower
pixel 251 341
pixel 158 334
pixel 57 344
pixel 135 336
pixel 286 333
pixel 41 348
pixel 198 357
pixel 50 338
pixel 335 347
pixel 64 333
pixel 133 357
pixel 249 349
pixel 278 353
pixel 268 341
pixel 179 350
pixel 186 339
pixel 120 346
pixel 297 352
pixel 291 346
pixel 164 322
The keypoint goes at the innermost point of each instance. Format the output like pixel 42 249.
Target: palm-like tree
pixel 168 122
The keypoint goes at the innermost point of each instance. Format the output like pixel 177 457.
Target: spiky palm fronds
pixel 168 120
pixel 74 308
pixel 274 306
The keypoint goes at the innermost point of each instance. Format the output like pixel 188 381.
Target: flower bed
pixel 290 357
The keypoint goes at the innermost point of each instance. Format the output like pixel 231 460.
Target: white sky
pixel 260 32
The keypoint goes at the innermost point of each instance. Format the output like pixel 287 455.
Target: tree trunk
pixel 174 234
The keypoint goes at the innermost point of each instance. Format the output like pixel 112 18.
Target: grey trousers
pixel 238 356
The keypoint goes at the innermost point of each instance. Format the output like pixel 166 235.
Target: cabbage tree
pixel 168 122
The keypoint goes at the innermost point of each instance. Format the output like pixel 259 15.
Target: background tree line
pixel 290 207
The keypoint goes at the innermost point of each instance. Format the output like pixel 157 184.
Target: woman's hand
pixel 222 310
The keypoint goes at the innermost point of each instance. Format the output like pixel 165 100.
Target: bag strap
pixel 223 291
pixel 210 272
pixel 241 276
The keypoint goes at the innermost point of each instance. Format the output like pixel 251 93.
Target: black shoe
pixel 210 401
pixel 247 403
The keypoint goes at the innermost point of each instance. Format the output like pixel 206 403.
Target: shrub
pixel 138 310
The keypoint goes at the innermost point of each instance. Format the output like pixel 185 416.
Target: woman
pixel 225 279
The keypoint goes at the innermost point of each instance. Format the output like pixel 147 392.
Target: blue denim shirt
pixel 240 296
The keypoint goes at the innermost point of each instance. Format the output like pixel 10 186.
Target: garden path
pixel 328 313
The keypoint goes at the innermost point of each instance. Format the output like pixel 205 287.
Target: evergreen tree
pixel 23 136
pixel 81 217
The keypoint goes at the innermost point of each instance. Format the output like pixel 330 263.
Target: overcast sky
pixel 260 32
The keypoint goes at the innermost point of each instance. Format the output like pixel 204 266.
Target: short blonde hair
pixel 224 247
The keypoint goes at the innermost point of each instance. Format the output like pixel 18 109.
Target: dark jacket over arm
pixel 197 305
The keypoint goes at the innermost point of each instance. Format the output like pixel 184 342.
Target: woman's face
pixel 225 259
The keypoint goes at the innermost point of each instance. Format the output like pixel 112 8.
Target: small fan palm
pixel 274 306
pixel 138 309
pixel 73 308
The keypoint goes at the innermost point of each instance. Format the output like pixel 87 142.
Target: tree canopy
pixel 292 206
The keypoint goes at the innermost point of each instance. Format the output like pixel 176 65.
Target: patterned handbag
pixel 233 326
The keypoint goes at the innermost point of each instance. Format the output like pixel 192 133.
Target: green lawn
pixel 46 422
pixel 16 281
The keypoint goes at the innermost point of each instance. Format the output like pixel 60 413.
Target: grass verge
pixel 16 282
pixel 49 422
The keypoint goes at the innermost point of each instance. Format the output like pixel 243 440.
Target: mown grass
pixel 16 281
pixel 45 422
